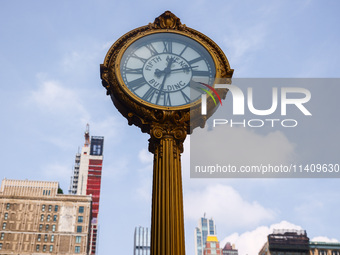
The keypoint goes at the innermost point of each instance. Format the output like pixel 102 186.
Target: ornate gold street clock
pixel 156 75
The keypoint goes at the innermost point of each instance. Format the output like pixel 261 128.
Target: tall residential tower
pixel 205 228
pixel 86 178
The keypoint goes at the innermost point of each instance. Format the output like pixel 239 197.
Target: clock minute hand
pixel 183 68
pixel 166 71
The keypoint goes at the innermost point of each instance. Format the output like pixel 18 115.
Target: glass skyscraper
pixel 205 227
pixel 141 241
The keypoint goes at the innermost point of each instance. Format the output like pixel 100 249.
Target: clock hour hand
pixel 159 73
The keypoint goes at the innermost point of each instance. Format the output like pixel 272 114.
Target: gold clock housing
pixel 140 110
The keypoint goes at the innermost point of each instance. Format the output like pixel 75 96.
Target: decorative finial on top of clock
pixel 168 20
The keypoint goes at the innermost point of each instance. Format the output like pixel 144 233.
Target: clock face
pixel 167 69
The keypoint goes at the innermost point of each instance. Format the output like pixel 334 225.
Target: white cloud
pixel 117 169
pixel 226 206
pixel 309 205
pixel 242 46
pixel 81 60
pixel 72 60
pixel 145 156
pixel 53 96
pixel 111 128
pixel 251 242
pixel 144 189
pixel 106 46
pixel 324 239
pixel 57 172
pixel 248 41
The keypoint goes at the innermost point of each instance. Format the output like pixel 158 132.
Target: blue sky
pixel 50 89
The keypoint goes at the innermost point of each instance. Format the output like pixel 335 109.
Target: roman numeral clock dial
pixel 161 68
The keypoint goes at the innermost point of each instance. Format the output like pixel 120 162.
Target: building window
pixel 47 227
pixel 79 229
pixel 211 227
pixel 51 247
pixel 50 208
pixel 8 206
pixel 0 246
pixel 40 227
pixel 77 249
pixel 45 239
pixel 48 217
pixel 38 247
pixel 4 225
pixel 52 239
pixel 2 236
pixel 43 208
pixel 39 238
pixel 6 216
pixel 56 208
pixel 44 247
pixel 322 252
pixel 54 217
pixel 81 209
pixel 53 228
pixel 42 218
pixel 78 239
pixel 80 218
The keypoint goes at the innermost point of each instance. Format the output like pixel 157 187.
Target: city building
pixel 141 241
pixel 212 246
pixel 324 248
pixel 229 249
pixel 86 179
pixel 205 227
pixel 35 219
pixel 286 242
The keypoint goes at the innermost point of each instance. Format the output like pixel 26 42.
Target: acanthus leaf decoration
pixel 168 20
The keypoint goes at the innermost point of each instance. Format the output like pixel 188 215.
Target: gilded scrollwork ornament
pixel 168 20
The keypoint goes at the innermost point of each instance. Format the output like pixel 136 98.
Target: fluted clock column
pixel 167 221
pixel 156 75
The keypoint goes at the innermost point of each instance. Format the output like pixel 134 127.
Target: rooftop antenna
pixel 87 136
